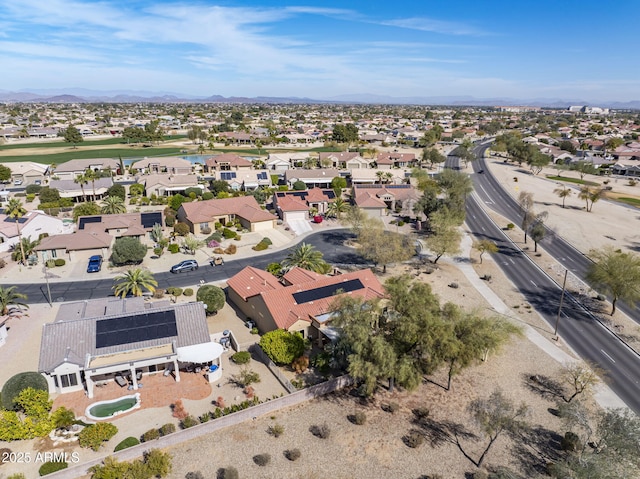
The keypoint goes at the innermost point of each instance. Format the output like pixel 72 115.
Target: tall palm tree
pixel 113 205
pixel 133 281
pixel 10 299
pixel 81 180
pixel 335 209
pixel 305 256
pixel 92 176
pixel 380 175
pixel 15 211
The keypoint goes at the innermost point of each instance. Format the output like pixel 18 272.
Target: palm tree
pixel 10 299
pixel 81 180
pixel 335 209
pixel 380 175
pixel 133 281
pixel 15 211
pixel 22 252
pixel 304 256
pixel 92 176
pixel 113 205
pixel 563 193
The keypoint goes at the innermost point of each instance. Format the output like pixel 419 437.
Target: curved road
pixel 587 336
pixel 330 243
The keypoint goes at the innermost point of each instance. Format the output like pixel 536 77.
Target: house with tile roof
pixel 166 164
pixel 301 301
pixel 378 200
pixel 390 159
pixel 72 168
pixel 28 172
pixel 204 214
pixel 226 162
pixel 167 184
pixel 92 342
pixel 344 159
pixel 311 177
pixel 244 179
pixel 295 205
pixel 70 189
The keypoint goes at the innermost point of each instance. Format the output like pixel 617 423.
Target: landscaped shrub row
pixel 51 466
pixel 241 357
pixel 152 434
pixel 228 234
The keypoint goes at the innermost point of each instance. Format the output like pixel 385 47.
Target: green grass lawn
pixel 64 144
pixel 573 180
pixel 629 201
pixel 58 158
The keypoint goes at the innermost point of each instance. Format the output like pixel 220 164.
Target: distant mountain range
pixel 79 95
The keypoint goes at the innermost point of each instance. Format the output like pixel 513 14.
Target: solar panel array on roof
pixel 262 175
pixel 150 219
pixel 87 220
pixel 227 175
pixel 133 329
pixel 327 291
pixel 20 220
pixel 388 187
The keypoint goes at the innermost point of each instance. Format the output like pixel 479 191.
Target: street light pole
pixel 564 284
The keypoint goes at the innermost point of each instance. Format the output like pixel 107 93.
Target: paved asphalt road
pixel 330 243
pixel 588 337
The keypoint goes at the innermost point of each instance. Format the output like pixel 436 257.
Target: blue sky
pixel 322 49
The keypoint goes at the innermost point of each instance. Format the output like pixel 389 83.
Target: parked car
pixel 95 263
pixel 186 265
pixel 17 182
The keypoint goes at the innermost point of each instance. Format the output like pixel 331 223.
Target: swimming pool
pixel 106 409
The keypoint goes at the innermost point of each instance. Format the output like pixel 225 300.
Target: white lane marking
pixel 512 262
pixel 610 358
pixel 533 283
pixel 485 191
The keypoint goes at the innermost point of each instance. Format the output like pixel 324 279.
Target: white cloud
pixel 432 25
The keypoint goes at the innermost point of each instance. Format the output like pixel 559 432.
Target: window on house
pixel 68 380
pixel 153 368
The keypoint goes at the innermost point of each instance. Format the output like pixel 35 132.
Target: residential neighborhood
pixel 145 283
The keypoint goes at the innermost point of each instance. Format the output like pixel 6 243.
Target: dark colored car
pixel 95 263
pixel 186 265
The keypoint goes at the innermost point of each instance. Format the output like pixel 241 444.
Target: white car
pixel 17 182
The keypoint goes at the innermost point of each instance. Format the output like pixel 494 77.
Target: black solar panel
pixel 85 220
pixel 150 219
pixel 133 329
pixel 327 291
pixel 15 220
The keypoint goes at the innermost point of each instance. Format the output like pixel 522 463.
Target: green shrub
pixel 174 291
pixel 391 407
pixel 31 197
pixel 181 229
pixel 510 226
pixel 167 429
pixel 262 459
pixel 173 248
pixel 421 412
pixel 169 220
pixel 51 263
pixel 266 240
pixel 260 247
pixel 254 330
pixel 241 357
pixel 322 431
pixel 51 466
pixel 238 238
pixel 18 475
pixel 228 234
pixel 207 195
pixel 188 422
pixel 94 435
pixel 150 435
pixel 188 292
pixel 33 189
pixel 213 298
pixel 292 454
pixel 194 475
pixel 127 250
pixel 18 383
pixel 282 346
pixel 125 443
pixel 59 262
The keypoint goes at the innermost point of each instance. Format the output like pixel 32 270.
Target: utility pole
pixel 564 284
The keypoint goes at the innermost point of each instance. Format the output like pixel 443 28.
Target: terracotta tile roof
pixel 244 206
pixel 299 276
pixel 280 301
pixel 339 156
pixel 252 281
pixel 290 203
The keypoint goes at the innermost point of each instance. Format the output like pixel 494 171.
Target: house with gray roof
pixel 95 341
